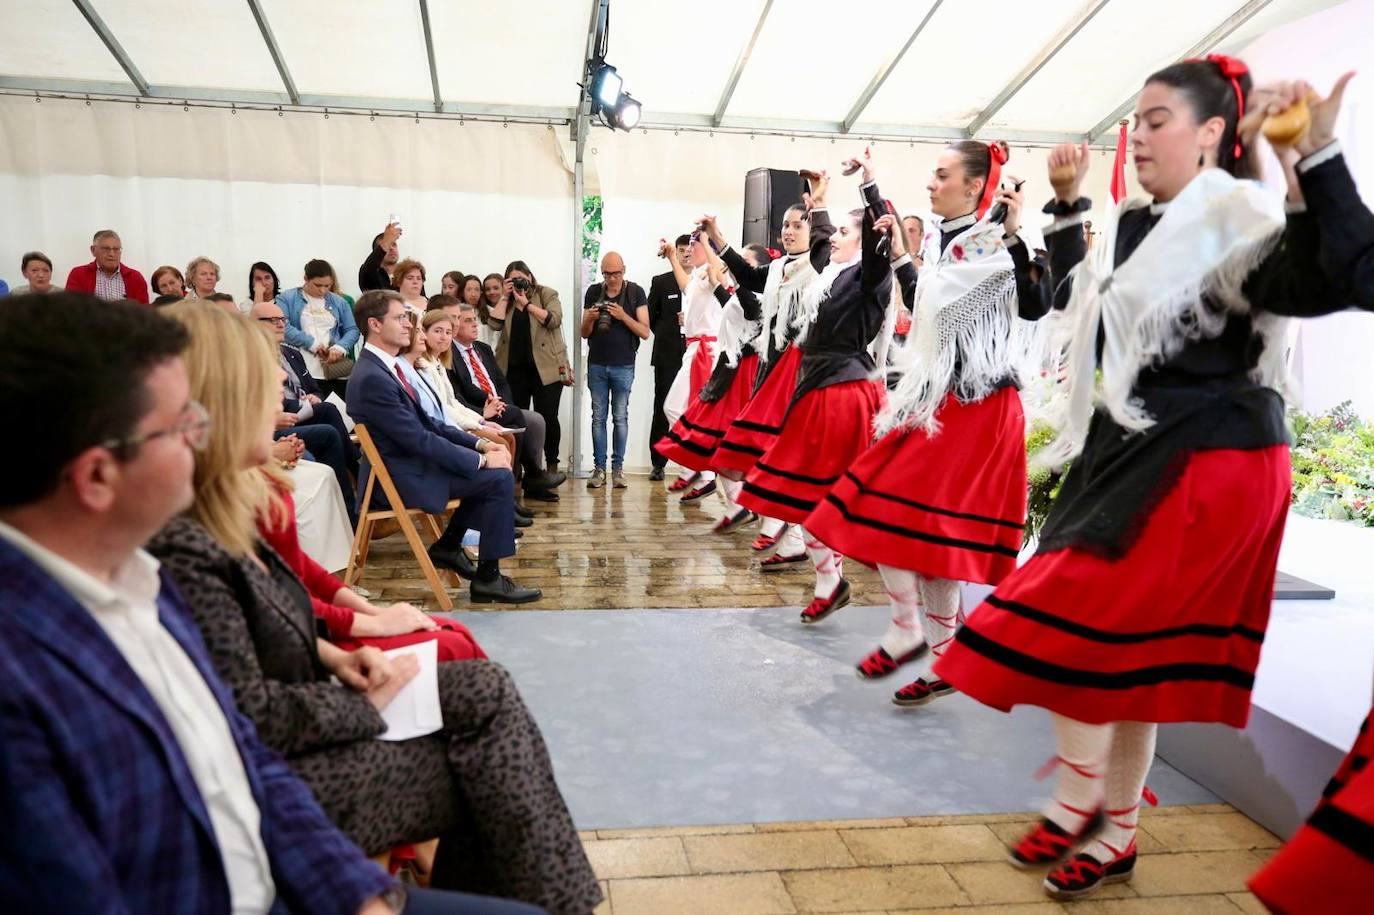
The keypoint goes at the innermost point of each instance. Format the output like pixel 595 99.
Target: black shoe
pixel 656 474
pixel 522 521
pixel 541 495
pixel 699 493
pixel 503 591
pixel 543 480
pixel 523 512
pixel 455 560
pixel 519 533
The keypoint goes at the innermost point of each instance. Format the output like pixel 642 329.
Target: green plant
pixel 1043 485
pixel 1333 465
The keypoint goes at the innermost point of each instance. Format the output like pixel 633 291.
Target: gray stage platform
pixel 694 717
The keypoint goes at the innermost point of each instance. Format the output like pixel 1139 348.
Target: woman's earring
pixel 1199 160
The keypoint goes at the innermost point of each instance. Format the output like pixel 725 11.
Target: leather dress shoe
pixel 543 480
pixel 503 591
pixel 522 521
pixel 656 474
pixel 541 495
pixel 455 560
pixel 523 512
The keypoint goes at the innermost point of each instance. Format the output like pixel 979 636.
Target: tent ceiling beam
pixel 884 72
pixel 126 63
pixel 740 63
pixel 1212 39
pixel 1047 53
pixel 429 52
pixel 271 41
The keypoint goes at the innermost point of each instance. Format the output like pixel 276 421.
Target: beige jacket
pixel 550 350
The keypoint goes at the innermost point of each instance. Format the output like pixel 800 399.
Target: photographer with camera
pixel 615 317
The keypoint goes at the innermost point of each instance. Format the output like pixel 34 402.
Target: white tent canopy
pixel 1035 71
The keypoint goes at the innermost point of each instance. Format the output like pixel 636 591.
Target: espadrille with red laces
pixel 1083 873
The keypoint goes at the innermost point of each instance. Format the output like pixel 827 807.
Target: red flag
pixel 1119 167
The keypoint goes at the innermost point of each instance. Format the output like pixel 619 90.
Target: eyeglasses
pixel 278 321
pixel 108 249
pixel 194 426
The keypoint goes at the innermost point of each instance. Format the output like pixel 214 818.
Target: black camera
pixel 521 284
pixel 603 317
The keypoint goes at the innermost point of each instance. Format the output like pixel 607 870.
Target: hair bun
pixel 1006 150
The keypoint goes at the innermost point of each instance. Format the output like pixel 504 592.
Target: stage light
pixel 606 86
pixel 627 112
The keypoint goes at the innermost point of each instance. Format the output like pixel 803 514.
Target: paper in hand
pixel 415 711
pixel 338 402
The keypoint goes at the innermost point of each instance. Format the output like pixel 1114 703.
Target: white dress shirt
pixel 126 610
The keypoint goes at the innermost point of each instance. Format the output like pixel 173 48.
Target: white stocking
pixel 942 613
pixel 1078 789
pixel 771 527
pixel 792 543
pixel 1128 763
pixel 829 565
pixel 903 591
pixel 729 491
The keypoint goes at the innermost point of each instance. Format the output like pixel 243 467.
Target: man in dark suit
pixel 477 386
pixel 433 463
pixel 665 305
pixel 132 782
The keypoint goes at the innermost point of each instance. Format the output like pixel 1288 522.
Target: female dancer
pixel 806 250
pixel 1148 597
pixel 941 497
pixel 693 440
pixel 829 421
pixel 701 317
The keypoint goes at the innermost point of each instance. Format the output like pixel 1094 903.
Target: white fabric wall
pixel 1332 355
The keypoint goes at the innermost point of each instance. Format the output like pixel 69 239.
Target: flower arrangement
pixel 1333 465
pixel 1043 485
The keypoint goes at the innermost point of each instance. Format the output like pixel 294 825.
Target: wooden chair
pixel 402 516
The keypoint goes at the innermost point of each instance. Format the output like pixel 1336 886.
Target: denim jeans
pixel 610 386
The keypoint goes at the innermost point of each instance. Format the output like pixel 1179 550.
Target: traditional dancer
pixel 701 316
pixel 781 284
pixel 941 497
pixel 1149 595
pixel 829 420
pixel 693 440
pixel 1328 866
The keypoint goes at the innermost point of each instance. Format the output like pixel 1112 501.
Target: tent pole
pixel 574 308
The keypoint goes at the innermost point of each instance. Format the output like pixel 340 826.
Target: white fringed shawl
pixel 965 317
pixel 1210 239
pixel 782 293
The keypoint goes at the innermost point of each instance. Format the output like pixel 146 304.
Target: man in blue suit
pixel 131 782
pixel 431 462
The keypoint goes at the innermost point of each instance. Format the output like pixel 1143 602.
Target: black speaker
pixel 768 192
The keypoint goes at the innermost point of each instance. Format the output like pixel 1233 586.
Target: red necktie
pixel 405 384
pixel 480 375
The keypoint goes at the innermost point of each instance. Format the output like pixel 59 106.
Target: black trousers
pixel 532 394
pixel 664 373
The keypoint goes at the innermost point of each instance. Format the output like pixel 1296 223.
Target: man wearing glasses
pixel 304 407
pixel 615 317
pixel 107 277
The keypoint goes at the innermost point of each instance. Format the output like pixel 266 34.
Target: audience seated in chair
pixel 132 782
pixel 503 828
pixel 431 462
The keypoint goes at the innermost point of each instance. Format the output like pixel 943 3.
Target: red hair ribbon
pixel 774 253
pixel 996 157
pixel 1232 69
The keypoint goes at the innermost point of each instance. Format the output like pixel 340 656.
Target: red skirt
pixel 1328 866
pixel 825 431
pixel 952 505
pixel 757 426
pixel 456 641
pixel 1169 632
pixel 694 438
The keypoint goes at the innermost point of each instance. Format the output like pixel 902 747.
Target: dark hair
pixel 800 207
pixel 441 300
pixel 761 253
pixel 976 159
pixel 219 297
pixel 374 303
pixel 265 268
pixel 167 300
pixel 455 275
pixel 97 376
pixel 523 268
pixel 1211 95
pixel 315 269
pixel 33 256
pixel 921 222
pixel 683 239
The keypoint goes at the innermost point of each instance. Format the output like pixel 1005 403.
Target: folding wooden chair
pixel 404 518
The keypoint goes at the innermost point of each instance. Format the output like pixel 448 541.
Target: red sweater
pixel 82 279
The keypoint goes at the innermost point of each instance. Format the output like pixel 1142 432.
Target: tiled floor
pixel 1194 861
pixel 626 549
pixel 639 548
